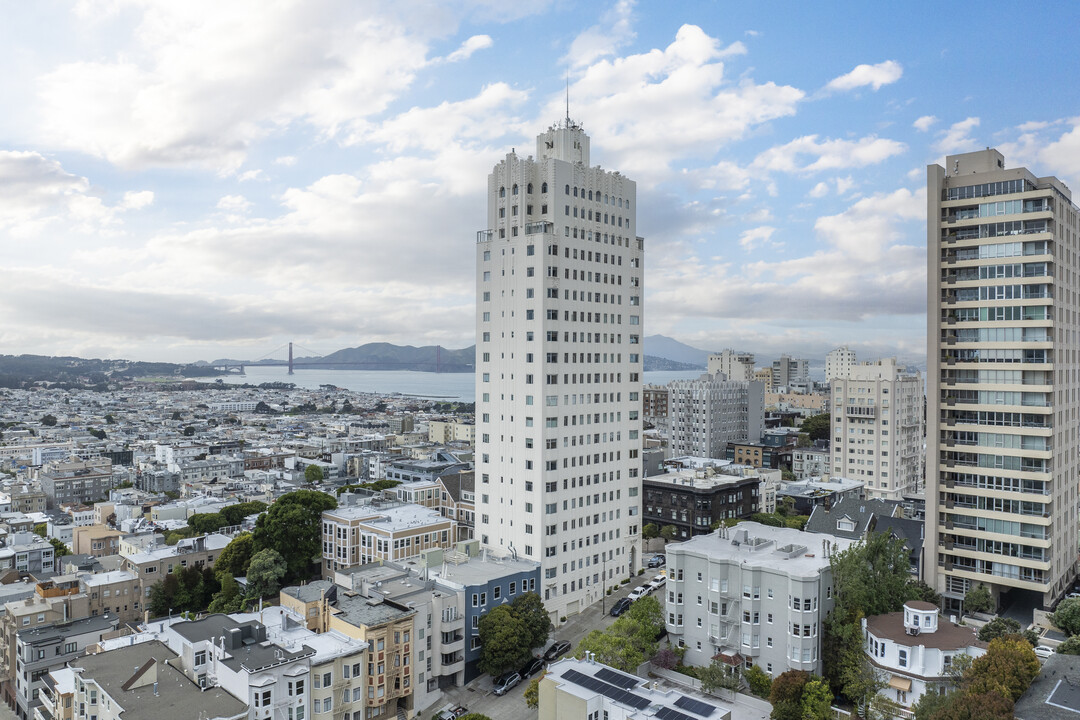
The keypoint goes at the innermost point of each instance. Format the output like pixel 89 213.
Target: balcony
pixel 452 663
pixel 861 411
pixel 452 643
pixel 455 623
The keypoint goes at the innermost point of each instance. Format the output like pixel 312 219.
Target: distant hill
pixel 660 346
pixel 652 364
pixel 386 356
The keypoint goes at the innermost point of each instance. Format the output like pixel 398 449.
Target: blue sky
pixel 183 181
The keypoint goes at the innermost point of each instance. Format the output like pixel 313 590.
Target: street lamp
pixel 603 585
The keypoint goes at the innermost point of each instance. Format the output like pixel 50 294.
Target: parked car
pixel 505 682
pixel 1072 595
pixel 638 593
pixel 621 606
pixel 557 650
pixel 1043 652
pixel 534 665
pixel 657 561
pixel 451 712
pixel 658 582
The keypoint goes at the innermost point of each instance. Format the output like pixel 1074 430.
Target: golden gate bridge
pixel 315 361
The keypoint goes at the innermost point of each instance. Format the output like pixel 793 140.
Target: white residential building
pixel 877 419
pixel 735 365
pixel 790 372
pixel 838 363
pixel 708 413
pixel 558 378
pixel 916 649
pixel 754 594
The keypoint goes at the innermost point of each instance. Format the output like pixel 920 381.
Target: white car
pixel 1072 595
pixel 657 582
pixel 639 592
pixel 1043 652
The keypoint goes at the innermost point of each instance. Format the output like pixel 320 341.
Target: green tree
pixel 998 627
pixel 786 694
pixel 668 533
pixel 532 692
pixel 771 519
pixel 98 433
pixel 816 700
pixel 110 419
pixel 235 514
pixel 529 608
pixel 189 431
pixel 48 420
pixel 650 531
pixel 313 474
pixel 1067 616
pixel 979 599
pixel 922 591
pixel 41 529
pixel 1008 667
pixel 234 559
pixel 979 706
pixel 265 573
pixel 59 548
pixel 474 716
pixel 649 615
pixel 504 641
pixel 929 703
pixel 293 527
pixel 228 599
pixel 718 675
pixel 818 427
pixel 203 523
pixel 759 681
pixel 1070 646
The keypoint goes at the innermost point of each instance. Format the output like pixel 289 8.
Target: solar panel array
pixel 667 713
pixel 617 678
pixel 608 690
pixel 695 706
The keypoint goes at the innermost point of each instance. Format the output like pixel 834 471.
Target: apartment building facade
pixel 877 428
pixel 559 315
pixel 753 594
pixel 733 364
pixel 1002 380
pixel 709 413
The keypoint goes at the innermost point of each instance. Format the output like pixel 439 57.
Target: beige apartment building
pixel 362 534
pixel 877 424
pixel 95 540
pixel 736 365
pixel 448 431
pixel 1002 381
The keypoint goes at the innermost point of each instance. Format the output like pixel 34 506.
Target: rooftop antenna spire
pixel 567 97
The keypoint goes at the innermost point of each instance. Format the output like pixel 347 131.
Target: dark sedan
pixel 557 650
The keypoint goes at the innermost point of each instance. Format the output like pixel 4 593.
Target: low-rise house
pixel 375 531
pixel 915 649
pixel 155 562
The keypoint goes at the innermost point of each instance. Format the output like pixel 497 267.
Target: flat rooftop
pixel 172 697
pixel 755 545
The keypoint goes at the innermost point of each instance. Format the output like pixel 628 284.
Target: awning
pixel 900 683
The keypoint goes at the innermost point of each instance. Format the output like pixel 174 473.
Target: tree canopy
pixel 979 599
pixel 818 427
pixel 1067 616
pixel 293 527
pixel 313 474
pixel 998 627
pixel 529 608
pixel 504 641
pixel 628 641
pixel 187 589
pixel 234 559
pixel 786 694
pixel 265 573
pixel 48 420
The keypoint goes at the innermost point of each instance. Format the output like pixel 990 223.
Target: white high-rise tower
pixel 558 377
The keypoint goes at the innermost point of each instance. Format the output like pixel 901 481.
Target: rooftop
pixel 170 696
pixel 589 679
pixel 757 545
pixel 1055 693
pixel 948 636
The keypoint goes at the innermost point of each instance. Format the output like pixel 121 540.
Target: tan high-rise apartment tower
pixel 1002 382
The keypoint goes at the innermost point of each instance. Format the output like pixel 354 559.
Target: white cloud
pixel 875 76
pixel 829 154
pixel 844 184
pixel 249 175
pixel 198 82
pixel 285 160
pixel 137 200
pixel 655 107
pixel 819 190
pixel 756 237
pixel 234 203
pixel 37 194
pixel 923 123
pixel 956 139
pixel 614 31
pixel 474 43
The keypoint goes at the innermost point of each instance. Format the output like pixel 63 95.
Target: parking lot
pixel 477 695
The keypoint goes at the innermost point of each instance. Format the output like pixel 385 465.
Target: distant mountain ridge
pixel 661 353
